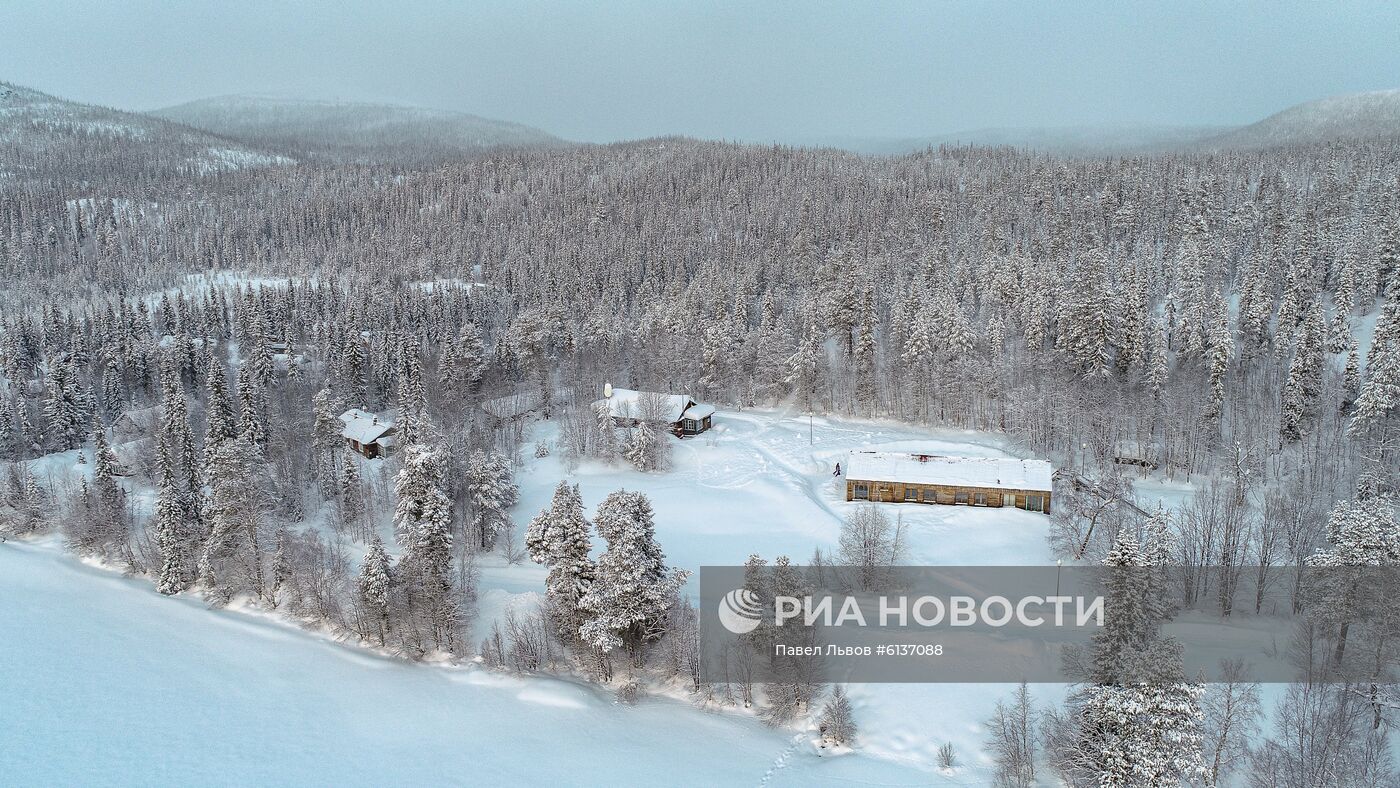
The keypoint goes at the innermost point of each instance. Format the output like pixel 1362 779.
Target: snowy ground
pixel 108 683
pixel 227 693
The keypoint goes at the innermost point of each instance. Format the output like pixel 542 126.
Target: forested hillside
pixel 1070 302
pixel 48 139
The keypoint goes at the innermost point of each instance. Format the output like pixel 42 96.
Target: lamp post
pixel 1058 563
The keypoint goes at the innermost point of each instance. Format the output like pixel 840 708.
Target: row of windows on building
pixel 1034 503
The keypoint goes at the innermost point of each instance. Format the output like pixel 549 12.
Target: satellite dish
pixel 607 391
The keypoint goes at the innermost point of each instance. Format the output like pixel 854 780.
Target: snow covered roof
pixel 363 427
pixel 993 472
pixel 698 412
pixel 627 404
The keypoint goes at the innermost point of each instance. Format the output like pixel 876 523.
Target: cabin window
pixel 911 493
pixel 960 497
pixel 689 425
pixel 979 499
pixel 862 491
pixel 1035 503
pixel 930 495
pixel 1008 500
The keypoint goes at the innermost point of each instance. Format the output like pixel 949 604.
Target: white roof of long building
pixel 993 472
pixel 627 403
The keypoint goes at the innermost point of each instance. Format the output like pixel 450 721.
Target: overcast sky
pixel 755 70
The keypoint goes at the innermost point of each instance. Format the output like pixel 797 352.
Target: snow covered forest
pixel 1228 322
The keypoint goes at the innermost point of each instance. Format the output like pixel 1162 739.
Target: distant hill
pixel 353 132
pixel 1358 116
pixel 1071 140
pixel 41 136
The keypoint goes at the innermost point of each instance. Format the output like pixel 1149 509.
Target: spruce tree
pixel 220 424
pixel 232 558
pixel 175 538
pixel 633 588
pixel 1300 391
pixel 376 583
pixel 423 523
pixel 558 538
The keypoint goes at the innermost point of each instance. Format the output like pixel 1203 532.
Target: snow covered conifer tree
pixel 465 362
pixel 491 491
pixel 1139 722
pixel 1300 391
pixel 414 425
pixel 1379 397
pixel 376 583
pixel 1386 336
pixel 804 365
pixel 1089 329
pixel 1351 377
pixel 633 589
pixel 640 448
pixel 233 558
pixel 10 440
pixel 111 391
pixel 774 345
pixel 325 440
pixel 558 537
pixel 352 371
pixel 252 422
pixel 1136 324
pixel 350 493
pixel 220 423
pixel 423 524
pixel 1125 628
pixel 1361 533
pixel 176 537
pixel 864 351
pixel 607 432
pixel 109 529
pixel 63 405
pixel 1221 345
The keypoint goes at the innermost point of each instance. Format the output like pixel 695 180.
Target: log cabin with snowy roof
pixel 899 477
pixel 369 434
pixel 628 407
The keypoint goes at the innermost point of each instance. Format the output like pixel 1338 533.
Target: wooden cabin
pixel 367 433
pixel 629 407
pixel 896 477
